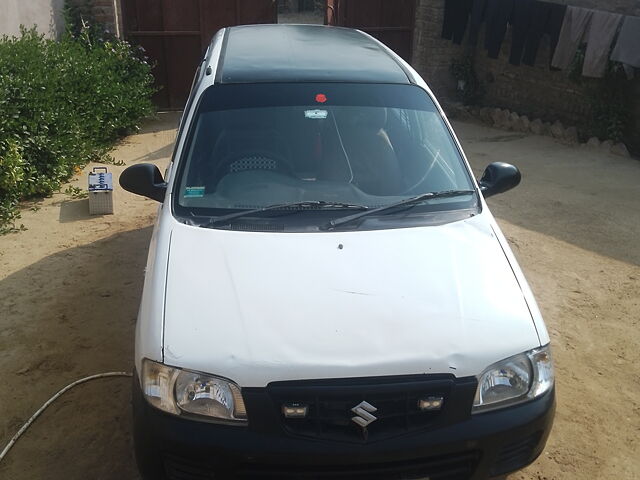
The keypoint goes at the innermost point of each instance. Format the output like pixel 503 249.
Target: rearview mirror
pixel 498 178
pixel 144 179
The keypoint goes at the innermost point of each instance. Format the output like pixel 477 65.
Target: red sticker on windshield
pixel 321 98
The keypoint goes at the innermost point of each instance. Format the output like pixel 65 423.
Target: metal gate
pixel 175 34
pixel 391 22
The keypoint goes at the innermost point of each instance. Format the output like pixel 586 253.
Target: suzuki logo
pixel 363 413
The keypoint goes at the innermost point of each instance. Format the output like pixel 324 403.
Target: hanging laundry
pixel 478 11
pixel 456 19
pixel 576 23
pixel 521 24
pixel 602 31
pixel 627 49
pixel 547 18
pixel 498 15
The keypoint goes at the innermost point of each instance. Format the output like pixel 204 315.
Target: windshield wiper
pixel 407 201
pixel 294 206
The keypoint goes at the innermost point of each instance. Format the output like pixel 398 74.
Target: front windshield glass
pixel 365 145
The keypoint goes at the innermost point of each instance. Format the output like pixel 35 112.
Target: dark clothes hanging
pixel 478 11
pixel 456 19
pixel 539 21
pixel 449 19
pixel 556 19
pixel 498 15
pixel 521 23
pixel 546 18
pixel 465 12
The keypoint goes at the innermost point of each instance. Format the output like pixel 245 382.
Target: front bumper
pixel 487 445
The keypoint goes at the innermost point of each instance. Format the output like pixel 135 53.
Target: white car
pixel 327 294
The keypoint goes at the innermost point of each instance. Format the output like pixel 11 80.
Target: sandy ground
pixel 70 286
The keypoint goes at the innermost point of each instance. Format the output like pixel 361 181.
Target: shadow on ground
pixel 579 195
pixel 161 153
pixel 67 316
pixel 161 122
pixel 74 210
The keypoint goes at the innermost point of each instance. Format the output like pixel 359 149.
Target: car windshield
pixel 342 146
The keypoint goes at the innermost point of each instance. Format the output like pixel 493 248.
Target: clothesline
pixel 567 28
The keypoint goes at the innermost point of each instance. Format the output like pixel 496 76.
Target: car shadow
pixel 64 317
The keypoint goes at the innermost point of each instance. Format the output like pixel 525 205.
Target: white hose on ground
pixel 51 400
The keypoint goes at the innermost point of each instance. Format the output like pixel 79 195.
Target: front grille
pixel 177 468
pixel 330 418
pixel 516 455
pixel 450 467
pixel 330 406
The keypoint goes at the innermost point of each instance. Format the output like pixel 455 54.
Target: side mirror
pixel 498 178
pixel 144 179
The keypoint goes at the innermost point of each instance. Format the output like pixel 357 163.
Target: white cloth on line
pixel 602 31
pixel 627 49
pixel 576 23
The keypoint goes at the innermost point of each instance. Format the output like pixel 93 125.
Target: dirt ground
pixel 70 287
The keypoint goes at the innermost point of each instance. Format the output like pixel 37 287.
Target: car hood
pixel 263 307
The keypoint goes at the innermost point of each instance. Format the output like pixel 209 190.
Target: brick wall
pixel 105 12
pixel 534 91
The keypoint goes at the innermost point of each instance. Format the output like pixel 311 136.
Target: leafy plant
pixel 608 99
pixel 76 192
pixel 62 104
pixel 109 160
pixel 80 22
pixel 469 89
pixel 610 106
pixel 12 174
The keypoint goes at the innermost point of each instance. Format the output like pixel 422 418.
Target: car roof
pixel 305 53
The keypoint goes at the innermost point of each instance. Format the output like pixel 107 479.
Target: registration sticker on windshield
pixel 194 192
pixel 316 114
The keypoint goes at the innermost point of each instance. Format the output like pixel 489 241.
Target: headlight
pixel 517 379
pixel 179 392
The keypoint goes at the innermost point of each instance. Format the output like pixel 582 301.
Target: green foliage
pixel 80 22
pixel 12 174
pixel 76 192
pixel 469 89
pixel 610 105
pixel 575 69
pixel 608 99
pixel 63 104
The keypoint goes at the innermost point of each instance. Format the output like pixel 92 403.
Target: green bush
pixel 608 97
pixel 469 89
pixel 63 104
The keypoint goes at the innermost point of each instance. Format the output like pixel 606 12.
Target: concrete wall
pixel 45 14
pixel 534 91
pixel 48 17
